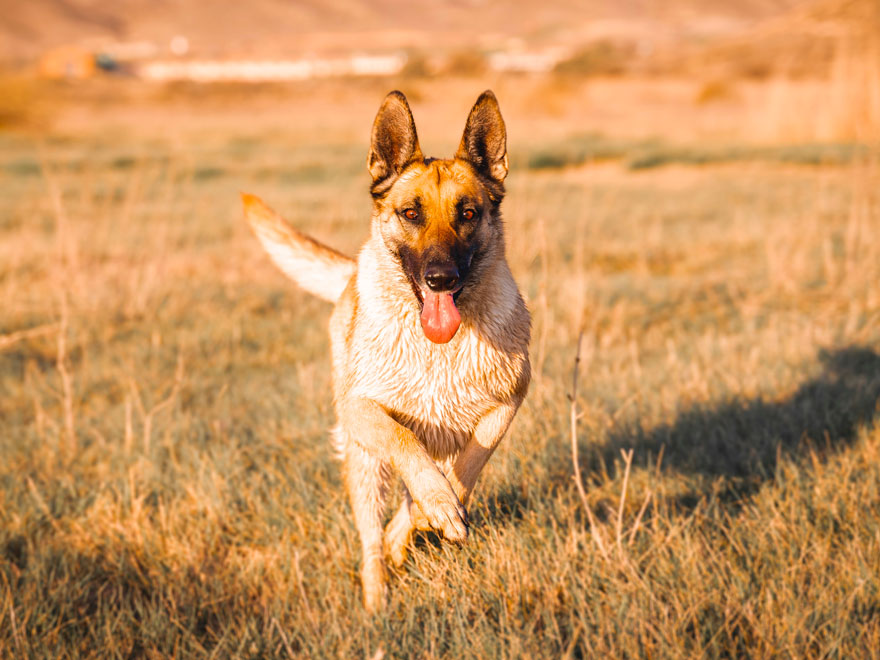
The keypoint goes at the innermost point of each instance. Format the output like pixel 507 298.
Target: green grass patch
pixel 647 154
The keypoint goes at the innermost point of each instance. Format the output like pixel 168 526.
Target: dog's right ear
pixel 484 143
pixel 394 143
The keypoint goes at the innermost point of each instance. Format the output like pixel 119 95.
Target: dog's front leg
pixel 366 479
pixel 463 477
pixel 479 449
pixel 367 425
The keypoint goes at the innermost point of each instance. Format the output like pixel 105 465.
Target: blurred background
pixel 760 71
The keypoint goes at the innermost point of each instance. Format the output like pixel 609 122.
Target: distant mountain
pixel 266 28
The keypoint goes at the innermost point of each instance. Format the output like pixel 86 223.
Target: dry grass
pixel 21 102
pixel 167 489
pixel 845 105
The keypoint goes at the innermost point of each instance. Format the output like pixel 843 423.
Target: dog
pixel 429 334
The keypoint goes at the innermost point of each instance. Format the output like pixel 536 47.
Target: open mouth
pixel 439 314
pixel 417 291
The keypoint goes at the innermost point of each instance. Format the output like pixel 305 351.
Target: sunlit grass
pixel 166 484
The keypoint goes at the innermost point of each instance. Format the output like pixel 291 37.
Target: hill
pixel 274 27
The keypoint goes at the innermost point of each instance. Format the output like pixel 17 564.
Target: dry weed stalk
pixel 543 308
pixel 67 253
pixel 627 456
pixel 573 419
pixel 12 338
pixel 66 261
pixel 302 592
pixel 286 643
pixel 10 604
pixel 129 428
pixel 627 461
pixel 148 415
pixel 66 380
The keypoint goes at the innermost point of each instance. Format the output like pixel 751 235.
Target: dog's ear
pixel 394 142
pixel 484 143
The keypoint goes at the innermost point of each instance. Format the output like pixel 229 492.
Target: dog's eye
pixel 411 214
pixel 468 214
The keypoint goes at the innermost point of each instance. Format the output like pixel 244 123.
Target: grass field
pixel 166 484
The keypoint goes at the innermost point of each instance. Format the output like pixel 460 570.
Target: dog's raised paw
pixel 446 514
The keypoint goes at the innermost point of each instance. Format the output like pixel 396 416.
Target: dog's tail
pixel 318 269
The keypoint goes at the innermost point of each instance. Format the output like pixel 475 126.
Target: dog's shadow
pixel 739 441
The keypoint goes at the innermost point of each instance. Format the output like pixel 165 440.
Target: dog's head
pixel 439 219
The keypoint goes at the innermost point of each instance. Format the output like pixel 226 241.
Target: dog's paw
pixel 398 533
pixel 443 512
pixel 397 549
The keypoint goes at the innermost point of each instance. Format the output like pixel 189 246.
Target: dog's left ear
pixel 484 143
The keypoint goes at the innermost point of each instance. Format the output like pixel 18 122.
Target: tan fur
pixel 431 413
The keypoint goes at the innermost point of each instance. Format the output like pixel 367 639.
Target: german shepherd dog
pixel 429 334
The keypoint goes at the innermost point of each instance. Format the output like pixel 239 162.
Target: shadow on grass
pixel 743 441
pixel 109 600
pixel 736 442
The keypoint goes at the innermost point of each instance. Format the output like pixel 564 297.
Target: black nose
pixel 441 276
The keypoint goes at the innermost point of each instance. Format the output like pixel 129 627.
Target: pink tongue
pixel 440 317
